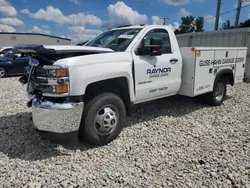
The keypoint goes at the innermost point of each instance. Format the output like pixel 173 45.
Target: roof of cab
pixel 130 27
pixel 136 27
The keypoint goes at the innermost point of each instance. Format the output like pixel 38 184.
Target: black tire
pixel 90 130
pixel 2 72
pixel 216 98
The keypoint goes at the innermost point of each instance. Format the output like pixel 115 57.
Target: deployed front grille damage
pixel 40 78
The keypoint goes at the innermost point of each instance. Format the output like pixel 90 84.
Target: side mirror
pixel 155 47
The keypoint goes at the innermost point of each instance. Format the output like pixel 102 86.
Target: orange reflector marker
pixel 198 53
pixel 192 49
pixel 61 73
pixel 62 89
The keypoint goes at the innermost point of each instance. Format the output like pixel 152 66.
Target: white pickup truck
pixel 91 88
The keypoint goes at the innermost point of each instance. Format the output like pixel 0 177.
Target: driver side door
pixel 20 62
pixel 156 76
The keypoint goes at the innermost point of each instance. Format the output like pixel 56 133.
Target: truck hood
pixel 96 59
pixel 57 49
pixel 48 54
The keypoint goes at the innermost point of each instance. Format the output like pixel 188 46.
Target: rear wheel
pixel 2 72
pixel 218 95
pixel 103 119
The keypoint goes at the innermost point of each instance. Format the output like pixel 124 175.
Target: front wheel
pixel 103 119
pixel 217 96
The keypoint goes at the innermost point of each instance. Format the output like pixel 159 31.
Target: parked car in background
pixel 13 63
pixel 3 50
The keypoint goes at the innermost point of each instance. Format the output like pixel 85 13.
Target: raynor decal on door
pixel 160 72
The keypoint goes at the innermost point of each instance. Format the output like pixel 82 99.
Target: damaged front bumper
pixel 56 117
pixel 51 114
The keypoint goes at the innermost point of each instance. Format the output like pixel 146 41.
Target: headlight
pixel 51 71
pixel 58 73
pixel 53 80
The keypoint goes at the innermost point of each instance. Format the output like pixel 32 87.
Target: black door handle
pixel 173 60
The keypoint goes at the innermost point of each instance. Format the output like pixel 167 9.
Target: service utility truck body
pixel 91 88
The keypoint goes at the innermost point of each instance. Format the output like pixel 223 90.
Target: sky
pixel 81 20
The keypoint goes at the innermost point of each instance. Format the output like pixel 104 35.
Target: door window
pixel 4 51
pixel 161 34
pixel 8 53
pixel 12 54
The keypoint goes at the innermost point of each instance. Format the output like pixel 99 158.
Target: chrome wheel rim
pixel 2 72
pixel 219 92
pixel 106 120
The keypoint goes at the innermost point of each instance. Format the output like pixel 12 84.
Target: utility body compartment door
pixel 240 66
pixel 204 75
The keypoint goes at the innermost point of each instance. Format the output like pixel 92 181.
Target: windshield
pixel 117 40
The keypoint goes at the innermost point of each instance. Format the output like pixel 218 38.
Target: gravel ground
pixel 170 143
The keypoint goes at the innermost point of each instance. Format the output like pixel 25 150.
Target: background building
pixel 10 39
